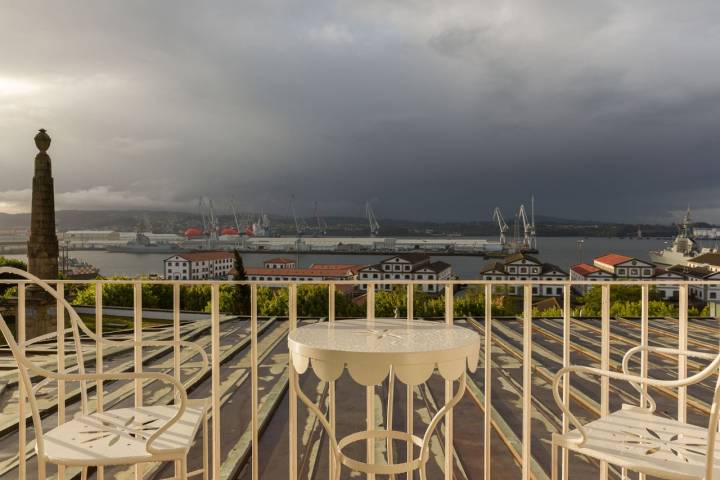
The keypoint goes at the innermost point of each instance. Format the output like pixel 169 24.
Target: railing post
pixel 176 334
pixel 22 438
pixel 567 313
pixel 331 386
pixel 682 345
pixel 138 334
pixel 527 381
pixel 409 404
pixel 487 418
pixel 449 420
pixel 605 363
pixel 254 381
pixel 60 329
pixel 99 360
pixel 370 391
pixel 216 392
pixel 292 427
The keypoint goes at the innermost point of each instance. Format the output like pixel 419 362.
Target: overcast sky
pixel 433 110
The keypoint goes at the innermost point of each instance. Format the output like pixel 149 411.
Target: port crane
pixel 321 223
pixel 529 242
pixel 498 217
pixel 211 225
pixel 374 225
pixel 300 225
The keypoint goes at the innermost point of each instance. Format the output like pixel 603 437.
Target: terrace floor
pixel 506 416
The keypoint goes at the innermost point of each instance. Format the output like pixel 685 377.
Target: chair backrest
pixel 29 370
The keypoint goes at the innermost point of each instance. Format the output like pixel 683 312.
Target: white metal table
pixel 371 350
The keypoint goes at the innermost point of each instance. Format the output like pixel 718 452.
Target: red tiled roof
pixel 613 259
pixel 202 256
pixel 299 272
pixel 335 266
pixel 280 260
pixel 584 269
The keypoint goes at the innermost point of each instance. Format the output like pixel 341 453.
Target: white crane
pixel 209 220
pixel 529 242
pixel 374 225
pixel 321 223
pixel 235 216
pixel 498 217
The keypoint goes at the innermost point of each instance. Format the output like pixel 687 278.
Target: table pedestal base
pixel 380 468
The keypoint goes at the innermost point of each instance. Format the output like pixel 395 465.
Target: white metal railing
pixel 529 466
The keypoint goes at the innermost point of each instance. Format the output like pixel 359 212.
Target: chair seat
pixel 645 443
pixel 120 436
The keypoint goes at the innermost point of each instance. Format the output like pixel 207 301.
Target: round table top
pixel 370 347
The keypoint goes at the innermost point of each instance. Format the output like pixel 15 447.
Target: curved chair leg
pixel 84 473
pixel 553 461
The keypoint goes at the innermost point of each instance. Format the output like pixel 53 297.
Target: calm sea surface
pixel 562 251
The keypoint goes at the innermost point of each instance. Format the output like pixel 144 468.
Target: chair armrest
pixel 661 350
pixel 709 370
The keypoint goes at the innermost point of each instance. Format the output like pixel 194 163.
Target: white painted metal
pixel 331 389
pixel 137 358
pixel 527 382
pixel 255 466
pixel 682 328
pixel 449 435
pixel 682 345
pixel 176 334
pixel 370 389
pixel 292 420
pixel 409 404
pixel 636 439
pixel 370 349
pixel 22 387
pixel 604 363
pixel 60 332
pixel 99 368
pixel 487 424
pixel 215 378
pixel 567 318
pixel 102 438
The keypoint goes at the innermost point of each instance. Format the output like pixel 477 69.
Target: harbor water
pixel 562 251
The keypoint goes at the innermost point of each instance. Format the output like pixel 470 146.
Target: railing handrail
pixel 362 281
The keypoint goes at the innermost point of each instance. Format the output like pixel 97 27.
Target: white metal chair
pixel 636 439
pixel 123 436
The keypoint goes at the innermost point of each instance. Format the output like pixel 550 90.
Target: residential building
pixel 698 287
pixel 210 265
pixel 280 262
pixel 711 261
pixel 525 267
pixel 588 273
pixel 624 267
pixel 315 272
pixel 407 266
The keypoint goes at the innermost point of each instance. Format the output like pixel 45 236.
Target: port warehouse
pixel 101 239
pixel 504 416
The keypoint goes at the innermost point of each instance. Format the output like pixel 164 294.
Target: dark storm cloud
pixel 605 110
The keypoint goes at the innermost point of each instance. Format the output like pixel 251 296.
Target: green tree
pixel 6 289
pixel 241 292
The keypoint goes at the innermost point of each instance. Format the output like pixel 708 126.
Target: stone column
pixel 43 244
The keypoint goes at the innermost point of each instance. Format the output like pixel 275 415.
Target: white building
pixel 280 262
pixel 711 261
pixel 525 267
pixel 585 272
pixel 211 265
pixel 407 266
pixel 623 267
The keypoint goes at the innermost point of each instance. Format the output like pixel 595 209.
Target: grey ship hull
pixel 669 258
